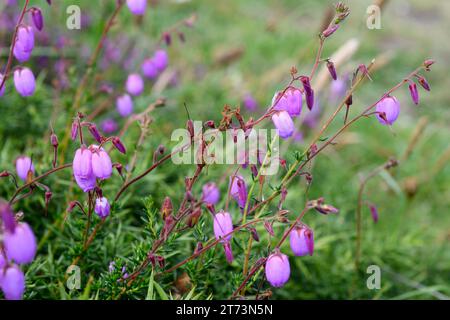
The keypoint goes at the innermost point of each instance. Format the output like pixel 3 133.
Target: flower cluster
pixel 18 247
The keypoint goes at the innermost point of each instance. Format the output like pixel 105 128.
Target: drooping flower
pixel 23 166
pixel 7 217
pixel 101 163
pixel 149 69
pixel 284 124
pixel 102 207
pixel 211 193
pixel 12 282
pixel 137 7
pixel 302 241
pixel 331 69
pixel 238 190
pixel 388 110
pixel 24 82
pixel 20 245
pixel 223 225
pixel 124 105
pixel 135 84
pixel 82 169
pixel 290 101
pixel 278 269
pixel 24 43
pixel 160 59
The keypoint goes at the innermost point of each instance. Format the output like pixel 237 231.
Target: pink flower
pixel 124 105
pixel 290 101
pixel 23 166
pixel 101 163
pixel 302 241
pixel 24 82
pixel 284 124
pixel 135 84
pixel 388 110
pixel 278 269
pixel 12 282
pixel 137 7
pixel 21 244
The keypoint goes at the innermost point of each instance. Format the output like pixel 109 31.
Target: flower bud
pixel 211 193
pixel 167 208
pixel 12 282
pixel 135 84
pixel 94 132
pixel 238 190
pixel 24 82
pixel 38 20
pixel 388 110
pixel 284 124
pixel 101 163
pixel 193 218
pixel 119 145
pixel 223 225
pixel 74 130
pixel 20 245
pixel 102 207
pixel 428 63
pixel 414 92
pixel 54 140
pixel 331 69
pixel 137 7
pixel 269 227
pixel 423 82
pixel 124 105
pixel 23 166
pixel 330 30
pixel 309 92
pixel 290 101
pixel 278 269
pixel 374 212
pixel 302 241
pixel 167 38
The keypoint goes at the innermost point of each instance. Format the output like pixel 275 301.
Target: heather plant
pixel 105 196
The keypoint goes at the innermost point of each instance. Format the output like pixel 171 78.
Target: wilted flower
pixel 424 83
pixel 302 241
pixel 284 124
pixel 101 163
pixel 135 84
pixel 211 193
pixel 166 208
pixel 24 82
pixel 309 92
pixel 278 269
pixel 238 190
pixel 331 69
pixel 20 245
pixel 388 110
pixel 290 101
pixel 330 30
pixel 124 105
pixel 137 7
pixel 102 207
pixel 23 166
pixel 12 282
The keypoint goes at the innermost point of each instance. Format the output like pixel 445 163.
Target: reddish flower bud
pixel 193 218
pixel 119 145
pixel 423 82
pixel 95 133
pixel 269 227
pixel 330 30
pixel 331 69
pixel 167 38
pixel 54 140
pixel 414 93
pixel 38 20
pixel 74 131
pixel 374 212
pixel 428 63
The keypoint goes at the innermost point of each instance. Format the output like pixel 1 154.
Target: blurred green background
pixel 235 48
